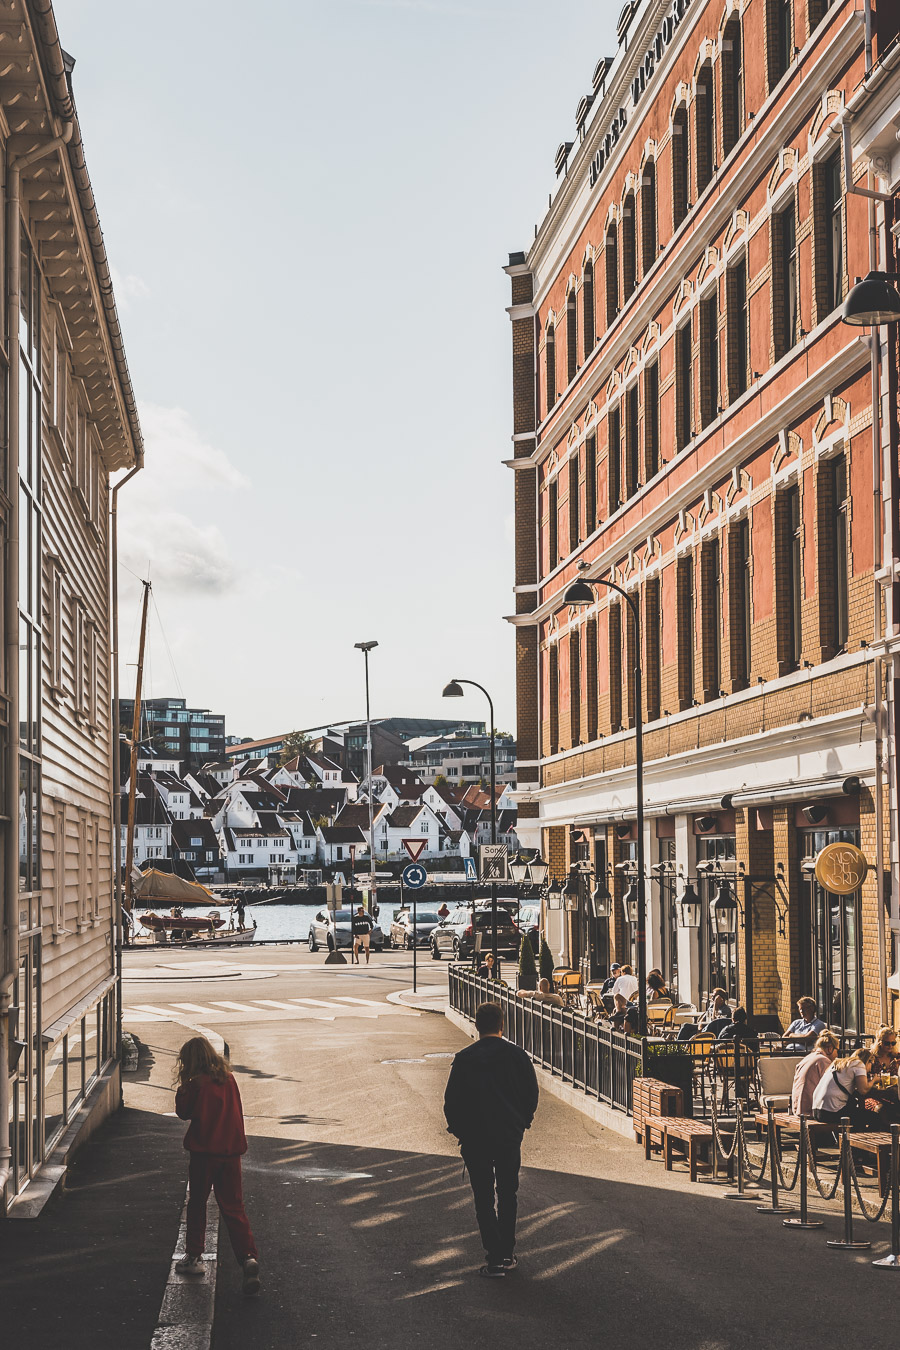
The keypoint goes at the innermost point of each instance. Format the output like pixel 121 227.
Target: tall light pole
pixel 365 648
pixel 581 593
pixel 453 690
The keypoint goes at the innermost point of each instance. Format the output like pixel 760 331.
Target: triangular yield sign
pixel 414 847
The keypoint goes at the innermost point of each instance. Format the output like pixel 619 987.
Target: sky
pixel 307 208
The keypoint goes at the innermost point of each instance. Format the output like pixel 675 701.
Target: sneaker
pixel 250 1283
pixel 190 1265
pixel 509 1262
pixel 492 1272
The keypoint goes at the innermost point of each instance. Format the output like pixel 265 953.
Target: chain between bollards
pixel 846 1241
pixel 738 1154
pixel 774 1207
pixel 803 1221
pixel 892 1261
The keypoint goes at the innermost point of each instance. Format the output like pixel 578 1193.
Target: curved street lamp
pixel 872 301
pixel 454 690
pixel 581 592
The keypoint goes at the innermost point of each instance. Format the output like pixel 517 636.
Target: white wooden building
pixel 71 419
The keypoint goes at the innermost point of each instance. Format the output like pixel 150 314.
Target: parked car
pixel 327 925
pixel 456 935
pixel 401 930
pixel 530 924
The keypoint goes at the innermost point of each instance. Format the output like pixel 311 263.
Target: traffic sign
pixel 414 876
pixel 493 862
pixel 414 847
pixel 471 871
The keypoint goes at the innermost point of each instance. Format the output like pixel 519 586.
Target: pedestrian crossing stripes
pixel 265 1009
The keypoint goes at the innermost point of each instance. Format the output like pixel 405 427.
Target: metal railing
pixel 596 1059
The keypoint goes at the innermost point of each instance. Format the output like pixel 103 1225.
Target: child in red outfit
pixel 208 1097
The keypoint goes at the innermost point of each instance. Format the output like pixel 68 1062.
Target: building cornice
pixel 707 219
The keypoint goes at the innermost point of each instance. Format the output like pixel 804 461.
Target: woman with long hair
pixel 839 1092
pixel 208 1097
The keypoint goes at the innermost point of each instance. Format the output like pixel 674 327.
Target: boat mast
pixel 135 737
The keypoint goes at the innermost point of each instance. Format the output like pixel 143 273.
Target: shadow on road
pixel 380 1249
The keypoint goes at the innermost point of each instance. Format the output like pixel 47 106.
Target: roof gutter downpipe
pixel 116 917
pixel 10 957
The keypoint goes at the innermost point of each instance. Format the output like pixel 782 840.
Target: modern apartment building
pixel 462 758
pixel 71 422
pixel 194 736
pixel 694 422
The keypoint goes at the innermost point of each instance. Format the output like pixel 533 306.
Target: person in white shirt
pixel 840 1090
pixel 624 989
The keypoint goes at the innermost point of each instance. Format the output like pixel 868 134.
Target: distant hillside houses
pixel 255 820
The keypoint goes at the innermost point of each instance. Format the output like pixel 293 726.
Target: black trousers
pixel 494 1169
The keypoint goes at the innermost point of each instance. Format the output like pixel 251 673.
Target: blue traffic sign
pixel 471 874
pixel 414 876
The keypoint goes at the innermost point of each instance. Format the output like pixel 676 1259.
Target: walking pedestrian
pixel 239 907
pixel 208 1097
pixel 361 927
pixel 490 1101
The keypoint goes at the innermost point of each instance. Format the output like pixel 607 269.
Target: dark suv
pixel 456 936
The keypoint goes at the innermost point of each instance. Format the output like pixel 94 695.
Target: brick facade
pixel 715 409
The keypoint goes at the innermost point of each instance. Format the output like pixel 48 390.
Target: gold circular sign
pixel 841 868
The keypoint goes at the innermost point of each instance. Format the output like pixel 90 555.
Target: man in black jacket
pixel 491 1098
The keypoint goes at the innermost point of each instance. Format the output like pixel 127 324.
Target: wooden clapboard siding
pixel 79 953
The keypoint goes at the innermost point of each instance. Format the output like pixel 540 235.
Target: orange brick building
pixel 693 421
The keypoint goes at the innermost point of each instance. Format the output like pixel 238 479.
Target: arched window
pixel 649 236
pixel 550 358
pixel 571 337
pixel 629 252
pixel 612 275
pixel 779 38
pixel 680 166
pixel 587 308
pixel 732 85
pixel 705 127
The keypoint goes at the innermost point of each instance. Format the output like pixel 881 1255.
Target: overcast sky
pixel 307 208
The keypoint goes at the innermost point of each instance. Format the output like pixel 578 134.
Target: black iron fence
pixel 600 1061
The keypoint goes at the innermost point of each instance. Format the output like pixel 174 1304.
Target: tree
pixel 295 743
pixel 527 969
pixel 439 779
pixel 546 962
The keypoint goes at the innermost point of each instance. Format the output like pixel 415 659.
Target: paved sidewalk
pixel 91 1271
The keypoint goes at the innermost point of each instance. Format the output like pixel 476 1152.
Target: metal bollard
pixel 738 1157
pixel 774 1208
pixel 892 1262
pixel 847 1240
pixel 804 1221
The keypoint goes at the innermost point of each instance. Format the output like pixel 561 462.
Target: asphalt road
pixel 364 1218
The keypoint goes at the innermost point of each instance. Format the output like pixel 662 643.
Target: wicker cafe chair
pixel 734 1062
pixel 700 1049
pixel 569 988
pixel 595 1007
pixel 657 1012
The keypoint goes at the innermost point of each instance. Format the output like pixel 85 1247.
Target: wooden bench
pixel 672 1129
pixel 789 1124
pixel 878 1143
pixel 652 1097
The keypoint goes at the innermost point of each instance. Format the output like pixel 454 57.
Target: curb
pixel 186 1313
pixel 597 1111
pixel 421 1001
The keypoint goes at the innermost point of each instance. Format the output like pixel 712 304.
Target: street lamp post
pixel 453 690
pixel 581 593
pixel 365 648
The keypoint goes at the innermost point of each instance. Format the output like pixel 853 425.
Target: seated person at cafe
pixel 656 987
pixel 624 989
pixel 840 1092
pixel 486 969
pixel 543 994
pixel 717 1011
pixel 739 1029
pixel 810 1070
pixel 631 1021
pixel 883 1103
pixel 803 1031
pixel 615 971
